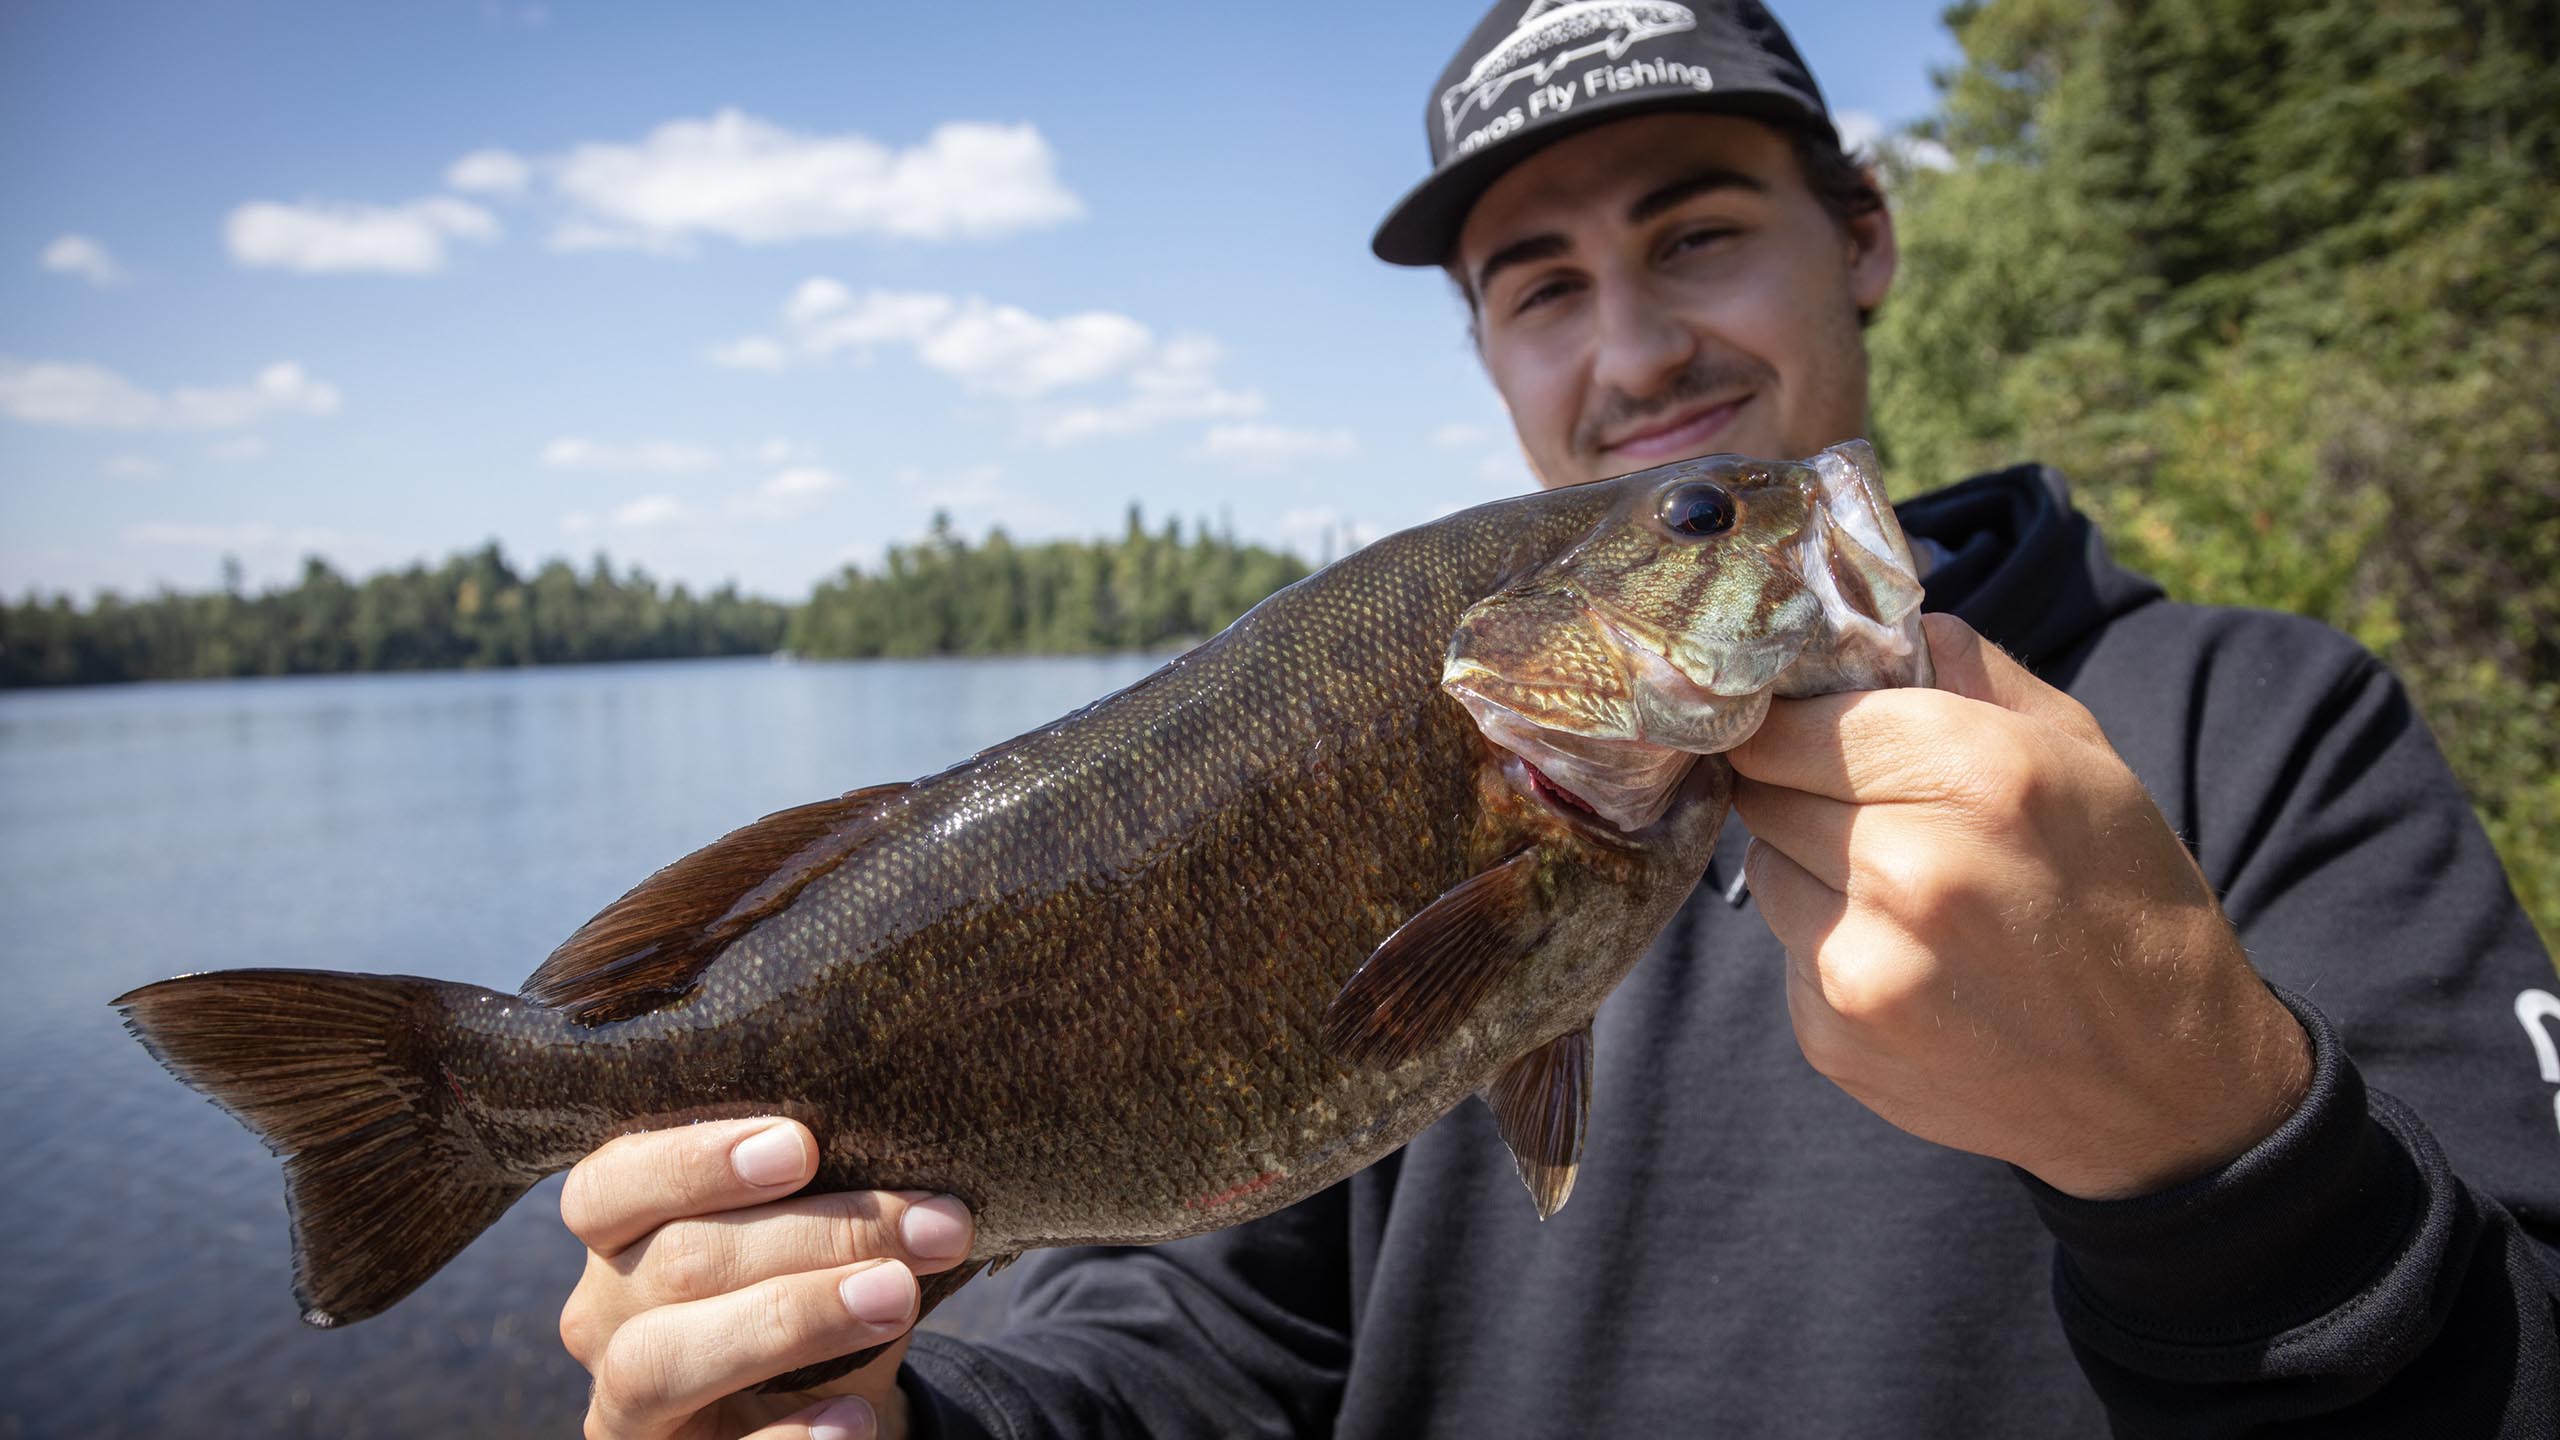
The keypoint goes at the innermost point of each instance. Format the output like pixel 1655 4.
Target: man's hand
pixel 1994 940
pixel 702 1280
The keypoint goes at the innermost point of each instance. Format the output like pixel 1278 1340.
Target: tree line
pixel 474 611
pixel 2277 283
pixel 944 596
pixel 941 595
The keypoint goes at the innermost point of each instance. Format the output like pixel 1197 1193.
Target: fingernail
pixel 881 1295
pixel 936 1229
pixel 848 1418
pixel 768 1157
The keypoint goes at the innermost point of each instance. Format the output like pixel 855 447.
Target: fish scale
pixel 1186 956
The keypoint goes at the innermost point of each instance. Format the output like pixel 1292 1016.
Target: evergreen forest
pixel 944 596
pixel 2277 284
pixel 471 612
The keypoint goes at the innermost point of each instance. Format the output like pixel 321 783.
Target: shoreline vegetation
pixel 941 595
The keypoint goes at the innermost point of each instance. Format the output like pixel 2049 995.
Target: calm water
pixel 447 825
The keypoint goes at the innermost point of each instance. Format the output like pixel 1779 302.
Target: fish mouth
pixel 1692 786
pixel 1601 785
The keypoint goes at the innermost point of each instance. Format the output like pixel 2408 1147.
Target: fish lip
pixel 1534 784
pixel 1687 416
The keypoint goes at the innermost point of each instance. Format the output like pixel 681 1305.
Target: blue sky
pixel 739 291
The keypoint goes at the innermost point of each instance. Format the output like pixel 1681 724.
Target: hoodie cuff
pixel 2294 1228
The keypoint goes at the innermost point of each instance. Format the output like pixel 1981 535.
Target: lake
pixel 453 825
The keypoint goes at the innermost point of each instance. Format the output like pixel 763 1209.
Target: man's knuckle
pixel 1902 882
pixel 578 1329
pixel 686 1260
pixel 578 1202
pixel 636 1368
pixel 778 1320
pixel 858 1229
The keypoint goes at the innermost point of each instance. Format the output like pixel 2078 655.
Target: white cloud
pixel 1458 435
pixel 238 448
pixel 1272 447
pixel 1012 352
pixel 132 467
pixel 577 522
pixel 651 511
pixel 752 181
pixel 799 481
pixel 490 172
pixel 776 451
pixel 79 255
pixel 1007 351
pixel 789 492
pixel 1177 383
pixel 753 352
pixel 657 457
pixel 571 236
pixel 1861 131
pixel 85 396
pixel 316 238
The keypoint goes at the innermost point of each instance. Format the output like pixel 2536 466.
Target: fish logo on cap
pixel 1613 26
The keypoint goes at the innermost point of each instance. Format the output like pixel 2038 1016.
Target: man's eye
pixel 1540 294
pixel 1699 239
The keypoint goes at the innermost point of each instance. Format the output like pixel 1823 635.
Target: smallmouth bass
pixel 1177 960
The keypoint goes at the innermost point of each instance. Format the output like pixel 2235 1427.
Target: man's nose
pixel 1642 342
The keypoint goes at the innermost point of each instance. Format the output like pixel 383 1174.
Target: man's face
pixel 1666 287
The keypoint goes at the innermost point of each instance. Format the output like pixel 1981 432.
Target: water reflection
pixel 453 825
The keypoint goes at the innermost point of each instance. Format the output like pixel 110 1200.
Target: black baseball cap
pixel 1536 71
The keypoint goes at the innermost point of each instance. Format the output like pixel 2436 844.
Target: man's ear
pixel 1872 255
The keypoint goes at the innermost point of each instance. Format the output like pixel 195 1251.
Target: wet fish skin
pixel 1177 960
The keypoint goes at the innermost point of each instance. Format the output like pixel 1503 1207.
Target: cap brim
pixel 1423 227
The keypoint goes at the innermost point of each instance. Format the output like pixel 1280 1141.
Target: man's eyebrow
pixel 1520 252
pixel 1690 186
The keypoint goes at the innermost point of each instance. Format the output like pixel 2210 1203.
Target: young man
pixel 2324 1207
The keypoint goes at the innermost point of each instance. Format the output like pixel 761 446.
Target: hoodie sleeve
pixel 1242 1332
pixel 2383 1263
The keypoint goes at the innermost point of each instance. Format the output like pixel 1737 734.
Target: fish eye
pixel 1698 509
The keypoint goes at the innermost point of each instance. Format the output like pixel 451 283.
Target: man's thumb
pixel 1966 664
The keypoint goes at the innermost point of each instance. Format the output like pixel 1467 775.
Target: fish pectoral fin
pixel 648 949
pixel 1541 1103
pixel 1426 980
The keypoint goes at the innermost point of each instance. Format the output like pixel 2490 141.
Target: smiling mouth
pixel 1682 439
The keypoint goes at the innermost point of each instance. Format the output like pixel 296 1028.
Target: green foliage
pixel 2277 282
pixel 943 597
pixel 471 612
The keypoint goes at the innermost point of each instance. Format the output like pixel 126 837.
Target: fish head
pixel 1708 587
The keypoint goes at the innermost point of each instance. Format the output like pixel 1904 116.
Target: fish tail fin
pixel 339 1075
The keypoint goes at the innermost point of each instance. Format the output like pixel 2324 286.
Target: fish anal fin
pixel 648 949
pixel 1541 1103
pixel 931 1290
pixel 1427 979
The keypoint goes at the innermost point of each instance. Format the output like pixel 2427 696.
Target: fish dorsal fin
pixel 1542 1105
pixel 649 948
pixel 1426 980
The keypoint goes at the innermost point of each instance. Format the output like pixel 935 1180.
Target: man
pixel 1973 903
